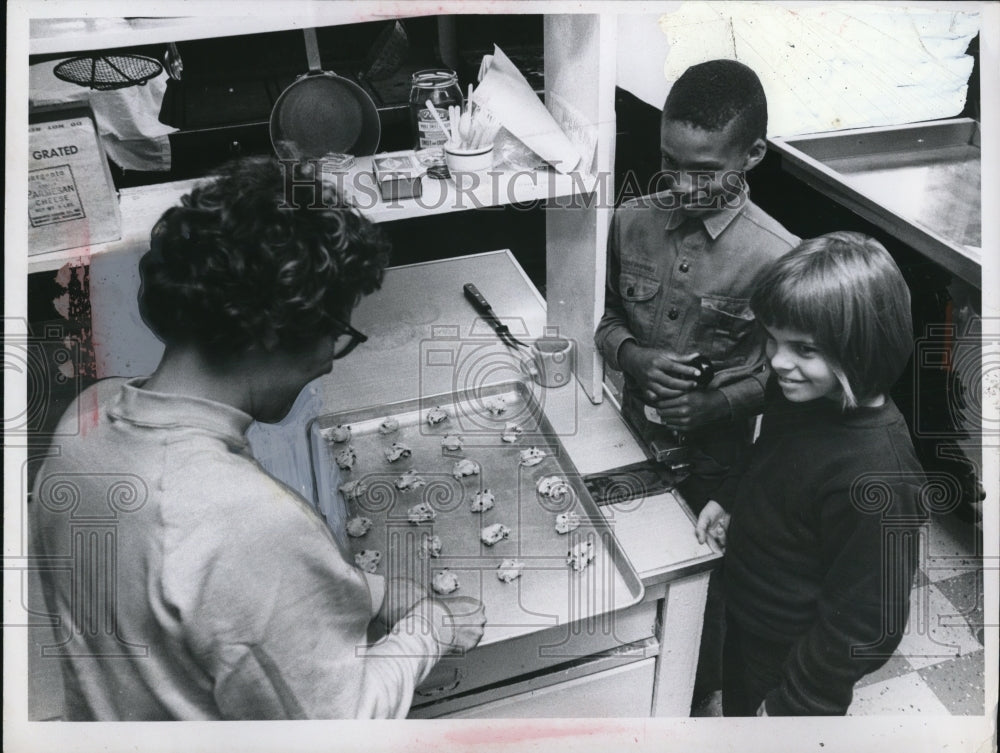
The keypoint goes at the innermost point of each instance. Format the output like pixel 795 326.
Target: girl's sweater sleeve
pixel 728 492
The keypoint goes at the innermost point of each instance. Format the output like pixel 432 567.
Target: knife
pixel 483 306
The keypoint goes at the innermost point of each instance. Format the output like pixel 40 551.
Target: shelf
pixel 142 206
pixel 50 36
pixel 461 193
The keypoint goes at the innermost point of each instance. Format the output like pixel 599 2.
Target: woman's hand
pixel 468 620
pixel 401 595
pixel 713 523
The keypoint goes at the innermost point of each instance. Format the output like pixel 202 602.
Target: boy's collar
pixel 714 222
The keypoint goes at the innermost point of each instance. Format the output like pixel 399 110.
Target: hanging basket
pixel 106 72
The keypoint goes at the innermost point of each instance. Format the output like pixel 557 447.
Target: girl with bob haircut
pixel 820 526
pixel 846 291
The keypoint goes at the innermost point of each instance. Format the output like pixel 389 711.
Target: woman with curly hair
pixel 221 594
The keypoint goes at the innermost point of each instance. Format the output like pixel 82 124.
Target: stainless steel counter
pixel 425 339
pixel 920 182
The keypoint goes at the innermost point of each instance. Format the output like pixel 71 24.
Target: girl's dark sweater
pixel 822 545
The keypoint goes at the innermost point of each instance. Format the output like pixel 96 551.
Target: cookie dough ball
pixel 532 456
pixel 353 489
pixel 452 442
pixel 368 559
pixel 567 521
pixel 436 415
pixel 430 546
pixel 465 467
pixel 494 533
pixel 420 513
pixel 580 555
pixel 346 458
pixel 339 433
pixel 553 487
pixel 496 405
pixel 397 450
pixel 509 570
pixel 389 425
pixel 410 480
pixel 483 501
pixel 511 432
pixel 444 582
pixel 358 526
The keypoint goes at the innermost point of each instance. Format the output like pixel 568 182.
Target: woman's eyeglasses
pixel 355 338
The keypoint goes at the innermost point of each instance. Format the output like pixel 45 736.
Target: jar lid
pixel 434 77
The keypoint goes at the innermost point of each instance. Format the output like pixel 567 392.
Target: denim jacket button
pixel 673 314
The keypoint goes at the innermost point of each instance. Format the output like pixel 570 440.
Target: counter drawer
pixel 530 653
pixel 602 687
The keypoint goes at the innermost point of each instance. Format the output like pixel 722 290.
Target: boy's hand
pixel 692 410
pixel 713 523
pixel 661 375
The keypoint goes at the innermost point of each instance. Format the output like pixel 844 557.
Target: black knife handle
pixel 476 298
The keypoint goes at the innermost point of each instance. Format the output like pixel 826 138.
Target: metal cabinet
pixel 617 692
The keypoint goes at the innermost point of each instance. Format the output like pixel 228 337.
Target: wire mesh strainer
pixel 105 72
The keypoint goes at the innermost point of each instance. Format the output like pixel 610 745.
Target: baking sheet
pixel 548 593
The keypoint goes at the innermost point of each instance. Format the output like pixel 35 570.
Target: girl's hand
pixel 713 522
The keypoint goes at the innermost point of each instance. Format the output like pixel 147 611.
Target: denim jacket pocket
pixel 726 329
pixel 639 298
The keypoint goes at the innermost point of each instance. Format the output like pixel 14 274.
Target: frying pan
pixel 321 112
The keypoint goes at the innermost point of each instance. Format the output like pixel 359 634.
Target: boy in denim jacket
pixel 681 265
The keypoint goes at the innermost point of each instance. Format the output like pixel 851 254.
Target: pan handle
pixel 312 51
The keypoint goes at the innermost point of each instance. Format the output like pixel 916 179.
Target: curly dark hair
pixel 241 265
pixel 711 95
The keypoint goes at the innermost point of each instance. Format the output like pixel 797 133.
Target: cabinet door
pixel 620 692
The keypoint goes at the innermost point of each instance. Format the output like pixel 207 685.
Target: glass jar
pixel 440 86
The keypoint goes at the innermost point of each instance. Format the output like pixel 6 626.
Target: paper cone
pixel 508 97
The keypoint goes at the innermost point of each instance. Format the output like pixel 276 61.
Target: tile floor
pixel 939 665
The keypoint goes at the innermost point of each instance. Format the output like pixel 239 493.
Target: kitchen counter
pixel 922 183
pixel 425 339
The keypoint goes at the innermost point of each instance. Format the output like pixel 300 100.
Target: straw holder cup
pixel 461 160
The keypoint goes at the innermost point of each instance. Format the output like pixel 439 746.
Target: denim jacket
pixel 684 284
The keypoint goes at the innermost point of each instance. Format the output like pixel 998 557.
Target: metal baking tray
pixel 920 182
pixel 548 593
